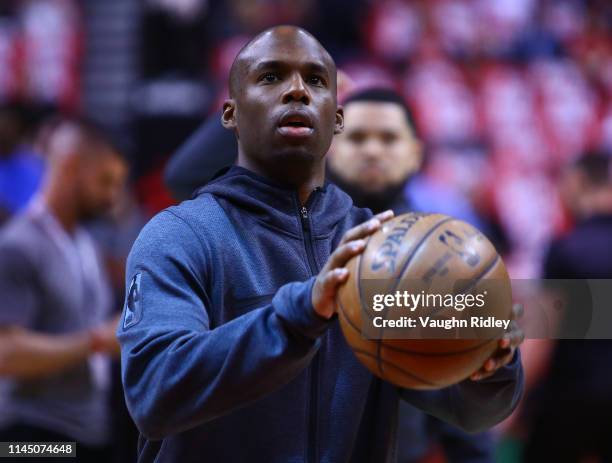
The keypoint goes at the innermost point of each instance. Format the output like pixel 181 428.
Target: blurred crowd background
pixel 506 95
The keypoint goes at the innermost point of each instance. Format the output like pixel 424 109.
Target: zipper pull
pixel 305 221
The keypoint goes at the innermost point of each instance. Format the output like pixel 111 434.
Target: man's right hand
pixel 104 339
pixel 334 273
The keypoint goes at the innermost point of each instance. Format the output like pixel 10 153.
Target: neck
pixel 303 177
pixel 391 197
pixel 597 203
pixel 61 205
pixel 309 186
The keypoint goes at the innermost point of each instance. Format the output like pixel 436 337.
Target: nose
pixel 372 149
pixel 296 90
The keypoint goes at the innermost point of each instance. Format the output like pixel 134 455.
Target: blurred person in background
pixel 114 234
pixel 378 161
pixel 570 411
pixel 373 160
pixel 209 149
pixel 379 151
pixel 21 169
pixel 55 332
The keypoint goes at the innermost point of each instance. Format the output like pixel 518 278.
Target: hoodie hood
pixel 278 206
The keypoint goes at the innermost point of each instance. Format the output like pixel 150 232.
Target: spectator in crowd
pixel 579 374
pixel 55 335
pixel 114 235
pixel 20 168
pixel 373 160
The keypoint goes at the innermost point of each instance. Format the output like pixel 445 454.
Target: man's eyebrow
pixel 312 66
pixel 356 130
pixel 317 68
pixel 269 64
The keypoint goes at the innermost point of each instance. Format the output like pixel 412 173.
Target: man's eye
pixel 315 80
pixel 269 77
pixel 356 138
pixel 388 138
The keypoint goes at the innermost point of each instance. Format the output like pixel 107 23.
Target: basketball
pixel 426 256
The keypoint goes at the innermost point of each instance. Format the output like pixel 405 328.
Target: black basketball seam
pixel 360 293
pixel 401 370
pixel 359 279
pixel 416 248
pixel 398 279
pixel 439 354
pixel 484 272
pixel 350 322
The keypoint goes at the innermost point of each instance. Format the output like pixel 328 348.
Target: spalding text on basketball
pixel 386 254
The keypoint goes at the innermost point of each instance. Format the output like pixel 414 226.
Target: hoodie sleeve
pixel 177 370
pixel 474 406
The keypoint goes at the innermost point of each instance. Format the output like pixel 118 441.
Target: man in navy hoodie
pixel 231 350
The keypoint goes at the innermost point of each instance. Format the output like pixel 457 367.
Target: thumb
pixel 325 294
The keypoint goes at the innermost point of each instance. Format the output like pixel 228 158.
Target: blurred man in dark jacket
pixel 572 408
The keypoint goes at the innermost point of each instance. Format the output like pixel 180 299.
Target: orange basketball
pixel 442 260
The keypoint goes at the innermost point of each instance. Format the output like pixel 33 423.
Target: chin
pixel 372 185
pixel 290 165
pixel 372 190
pixel 297 154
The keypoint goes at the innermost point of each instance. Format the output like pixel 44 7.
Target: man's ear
pixel 228 116
pixel 339 120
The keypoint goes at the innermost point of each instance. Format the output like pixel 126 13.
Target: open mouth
pixel 295 125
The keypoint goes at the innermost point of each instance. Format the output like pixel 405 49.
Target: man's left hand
pixel 506 347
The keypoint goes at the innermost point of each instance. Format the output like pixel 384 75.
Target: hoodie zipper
pixel 308 241
pixel 312 441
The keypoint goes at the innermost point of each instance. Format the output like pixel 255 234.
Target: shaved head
pixel 274 36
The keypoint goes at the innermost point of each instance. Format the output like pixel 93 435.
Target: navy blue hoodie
pixel 223 357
